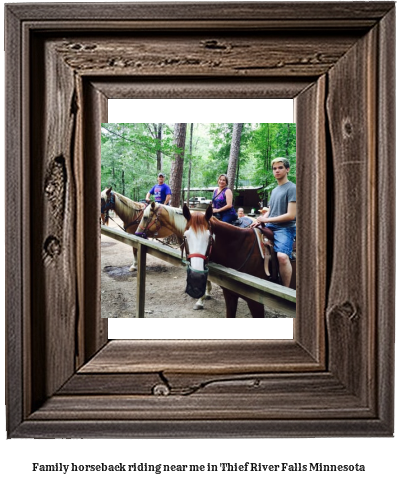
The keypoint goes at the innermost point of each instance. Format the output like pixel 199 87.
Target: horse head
pixel 198 243
pixel 107 203
pixel 148 220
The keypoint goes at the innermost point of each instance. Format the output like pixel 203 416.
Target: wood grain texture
pixel 312 218
pixel 351 109
pixel 247 55
pixel 192 428
pixel 92 113
pixel 16 315
pixel 203 407
pixel 144 87
pixel 64 379
pixel 200 356
pixel 385 223
pixel 53 209
pixel 360 13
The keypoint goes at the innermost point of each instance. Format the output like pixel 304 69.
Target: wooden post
pixel 141 272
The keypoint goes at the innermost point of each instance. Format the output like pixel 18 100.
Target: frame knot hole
pixel 161 390
pixel 346 310
pixel 347 128
pixel 213 44
pixel 51 248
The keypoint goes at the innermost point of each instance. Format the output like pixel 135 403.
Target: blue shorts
pixel 283 238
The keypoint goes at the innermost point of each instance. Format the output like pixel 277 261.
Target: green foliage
pixel 129 155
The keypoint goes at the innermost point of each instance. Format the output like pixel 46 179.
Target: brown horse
pixel 232 247
pixel 131 213
pixel 159 218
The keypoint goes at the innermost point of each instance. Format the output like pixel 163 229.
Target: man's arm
pixel 150 192
pixel 167 199
pixel 286 217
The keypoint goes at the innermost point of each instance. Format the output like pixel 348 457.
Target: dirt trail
pixel 165 285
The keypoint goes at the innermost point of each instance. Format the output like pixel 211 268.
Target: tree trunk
pixel 268 149
pixel 159 153
pixel 234 154
pixel 189 164
pixel 176 171
pixel 287 141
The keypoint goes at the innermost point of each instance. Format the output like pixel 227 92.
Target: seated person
pixel 245 221
pixel 222 201
pixel 281 217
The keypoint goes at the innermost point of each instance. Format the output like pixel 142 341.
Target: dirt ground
pixel 165 285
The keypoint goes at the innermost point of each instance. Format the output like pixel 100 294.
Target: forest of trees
pixel 193 155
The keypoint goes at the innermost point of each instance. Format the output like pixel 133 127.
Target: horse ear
pixel 153 205
pixel 108 190
pixel 186 212
pixel 209 213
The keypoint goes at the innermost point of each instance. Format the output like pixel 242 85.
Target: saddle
pixel 271 265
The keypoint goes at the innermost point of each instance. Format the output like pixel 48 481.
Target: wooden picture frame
pixel 335 378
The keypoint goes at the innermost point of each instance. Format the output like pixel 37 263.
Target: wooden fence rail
pixel 273 295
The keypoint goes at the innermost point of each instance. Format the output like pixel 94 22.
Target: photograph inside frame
pixel 215 203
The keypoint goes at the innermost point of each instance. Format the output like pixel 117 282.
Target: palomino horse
pixel 159 218
pixel 130 212
pixel 232 247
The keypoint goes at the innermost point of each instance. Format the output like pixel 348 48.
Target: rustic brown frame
pixel 336 376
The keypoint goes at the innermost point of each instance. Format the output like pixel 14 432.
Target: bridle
pixel 197 278
pixel 201 256
pixel 151 222
pixel 110 205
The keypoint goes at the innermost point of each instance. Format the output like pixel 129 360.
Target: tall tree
pixel 234 154
pixel 190 157
pixel 176 170
pixel 158 127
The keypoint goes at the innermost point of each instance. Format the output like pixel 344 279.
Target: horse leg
pixel 231 300
pixel 133 267
pixel 200 303
pixel 208 290
pixel 257 309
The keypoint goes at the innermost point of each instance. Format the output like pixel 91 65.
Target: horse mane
pixel 129 203
pixel 198 222
pixel 176 218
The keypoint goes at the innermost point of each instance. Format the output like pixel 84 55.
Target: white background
pixel 379 455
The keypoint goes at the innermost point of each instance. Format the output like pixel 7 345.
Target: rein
pixel 110 205
pixel 137 220
pixel 205 257
pixel 150 224
pixel 250 253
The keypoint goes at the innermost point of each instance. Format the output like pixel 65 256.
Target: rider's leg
pixel 228 217
pixel 285 268
pixel 283 243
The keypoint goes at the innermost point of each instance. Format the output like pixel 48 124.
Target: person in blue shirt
pixel 161 191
